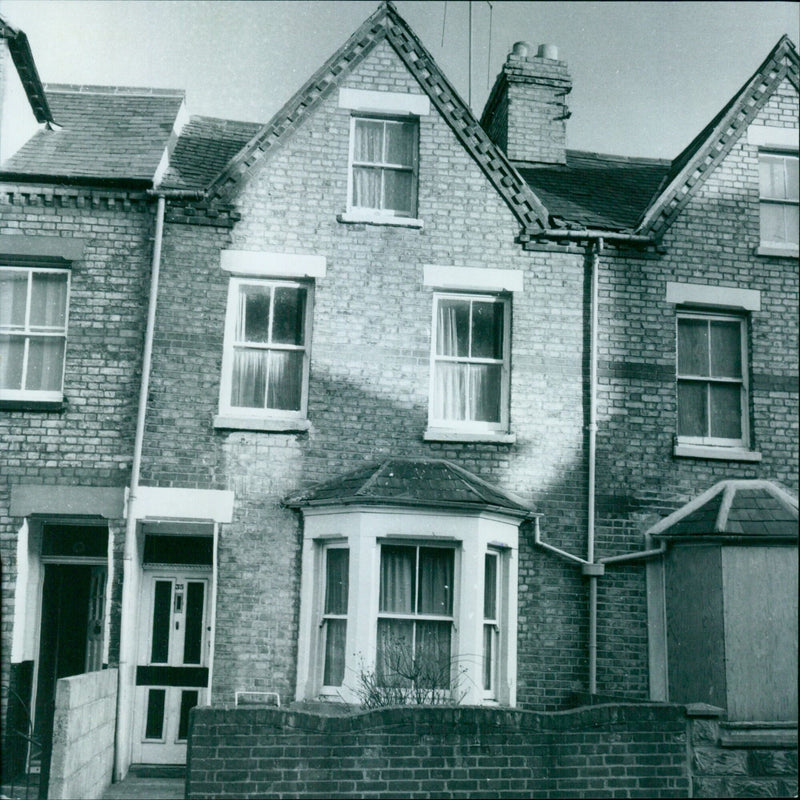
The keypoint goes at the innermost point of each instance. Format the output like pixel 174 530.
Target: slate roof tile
pixel 104 133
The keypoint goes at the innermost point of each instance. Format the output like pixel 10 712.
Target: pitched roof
pixel 597 191
pixel 386 23
pixel 204 147
pixel 412 482
pixel 749 508
pixel 26 69
pixel 713 143
pixel 106 133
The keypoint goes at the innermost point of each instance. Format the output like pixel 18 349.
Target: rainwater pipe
pixel 130 583
pixel 590 567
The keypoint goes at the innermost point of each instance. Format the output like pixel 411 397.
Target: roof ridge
pixel 99 89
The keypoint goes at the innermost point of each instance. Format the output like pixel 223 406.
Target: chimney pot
pixel 520 49
pixel 548 51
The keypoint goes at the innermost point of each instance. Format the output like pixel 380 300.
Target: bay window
pixel 265 358
pixel 469 363
pixel 334 617
pixel 491 622
pixel 33 333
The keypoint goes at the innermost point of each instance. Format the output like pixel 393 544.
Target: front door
pixel 172 671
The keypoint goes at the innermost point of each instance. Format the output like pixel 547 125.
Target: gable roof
pixel 106 133
pixel 423 482
pixel 597 191
pixel 750 508
pixel 713 143
pixel 386 23
pixel 22 56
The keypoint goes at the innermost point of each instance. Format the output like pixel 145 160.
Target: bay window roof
pixel 412 482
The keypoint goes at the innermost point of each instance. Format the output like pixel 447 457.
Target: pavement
pixel 164 783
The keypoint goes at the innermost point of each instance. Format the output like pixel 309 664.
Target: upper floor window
pixel 778 183
pixel 712 379
pixel 469 363
pixel 383 167
pixel 265 359
pixel 33 333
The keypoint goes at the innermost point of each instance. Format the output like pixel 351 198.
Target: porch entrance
pixel 173 647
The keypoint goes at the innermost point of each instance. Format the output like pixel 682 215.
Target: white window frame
pixel 495 624
pixel 326 689
pixel 364 530
pixel 365 213
pixel 769 247
pixel 226 380
pixel 472 426
pixel 743 442
pixel 35 395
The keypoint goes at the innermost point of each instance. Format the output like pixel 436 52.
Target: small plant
pixel 405 677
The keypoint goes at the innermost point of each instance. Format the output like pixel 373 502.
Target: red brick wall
pixel 602 751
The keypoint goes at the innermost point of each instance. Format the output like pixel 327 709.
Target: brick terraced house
pixel 378 384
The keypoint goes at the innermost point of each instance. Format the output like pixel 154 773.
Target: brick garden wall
pixel 600 751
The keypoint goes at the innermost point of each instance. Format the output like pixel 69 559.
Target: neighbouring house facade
pixel 381 392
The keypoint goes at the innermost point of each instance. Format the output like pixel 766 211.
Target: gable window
pixel 778 189
pixel 712 384
pixel 383 167
pixel 33 333
pixel 265 359
pixel 469 363
pixel 415 616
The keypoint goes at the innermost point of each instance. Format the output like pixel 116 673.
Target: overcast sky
pixel 647 76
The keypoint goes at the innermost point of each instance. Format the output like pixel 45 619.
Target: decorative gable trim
pixel 717 140
pixel 386 23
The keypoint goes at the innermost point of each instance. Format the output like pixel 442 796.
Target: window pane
pixel 692 415
pixel 162 614
pixel 45 364
pixel 368 144
pixel 398 189
pixel 432 655
pixel 249 378
pixel 792 217
pixel 792 178
pixel 285 380
pixel 771 175
pixel 367 187
pixel 484 392
pixel 11 352
pixel 487 330
pixel 726 411
pixel 193 635
pixel 692 347
pixel 726 350
pixel 774 222
pixel 452 328
pixel 154 726
pixel 397 579
pixel 335 634
pixel 488 656
pixel 400 143
pixel 394 660
pixel 435 581
pixel 48 300
pixel 254 304
pixel 188 702
pixel 450 391
pixel 490 587
pixel 13 294
pixel 289 315
pixel 337 571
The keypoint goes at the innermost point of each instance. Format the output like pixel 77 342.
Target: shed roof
pixel 596 190
pixel 740 508
pixel 412 482
pixel 105 133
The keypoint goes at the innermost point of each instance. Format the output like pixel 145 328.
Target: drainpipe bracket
pixel 593 570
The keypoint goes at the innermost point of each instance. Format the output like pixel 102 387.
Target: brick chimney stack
pixel 526 111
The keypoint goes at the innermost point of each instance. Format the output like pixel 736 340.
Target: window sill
pixel 758 734
pixel 441 435
pixel 780 252
pixel 277 425
pixel 717 453
pixel 32 405
pixel 353 217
